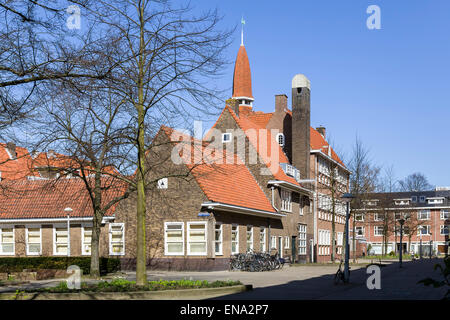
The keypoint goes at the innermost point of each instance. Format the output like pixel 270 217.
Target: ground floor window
pixel 33 241
pixel 273 242
pixel 249 238
pixel 262 239
pixel 218 238
pixel 286 242
pixel 116 239
pixel 444 230
pixel 302 239
pixel 60 240
pixel 86 237
pixel 7 241
pixel 173 238
pixel 196 238
pixel 234 239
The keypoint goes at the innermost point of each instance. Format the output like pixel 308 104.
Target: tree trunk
pixel 354 241
pixel 96 228
pixel 95 246
pixel 333 231
pixel 141 258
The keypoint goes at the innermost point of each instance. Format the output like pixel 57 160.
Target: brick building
pixel 426 215
pixel 256 181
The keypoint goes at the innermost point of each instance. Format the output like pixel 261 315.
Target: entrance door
pixel 404 247
pixel 294 249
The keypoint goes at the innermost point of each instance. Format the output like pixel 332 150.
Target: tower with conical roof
pixel 242 79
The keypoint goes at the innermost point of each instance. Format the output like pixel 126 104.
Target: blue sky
pixel 390 86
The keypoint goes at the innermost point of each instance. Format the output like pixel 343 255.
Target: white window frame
pixel 419 216
pixel 444 226
pixel 111 253
pixel 282 138
pixel 237 238
pixel 262 239
pixel 286 242
pixel 273 242
pixel 377 217
pixel 40 239
pixel 445 212
pixel 227 134
pixel 220 241
pixel 83 243
pixel 362 231
pixel 60 226
pixel 13 241
pixel 251 238
pixel 359 215
pixel 302 239
pixel 166 251
pixel 163 183
pixel 189 224
pixel 420 228
pixel 378 234
pixel 286 200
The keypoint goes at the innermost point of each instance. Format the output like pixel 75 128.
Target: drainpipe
pixel 273 199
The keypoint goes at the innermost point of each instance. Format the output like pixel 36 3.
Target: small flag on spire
pixel 242 31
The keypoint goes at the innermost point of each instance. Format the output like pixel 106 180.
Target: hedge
pixel 18 264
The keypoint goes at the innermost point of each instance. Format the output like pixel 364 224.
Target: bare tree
pixel 415 182
pixel 333 186
pixel 36 46
pixel 162 60
pixel 363 181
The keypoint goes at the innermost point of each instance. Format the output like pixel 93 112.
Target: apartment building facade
pixel 426 226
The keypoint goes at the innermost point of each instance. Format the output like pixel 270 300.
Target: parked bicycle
pixel 340 275
pixel 256 262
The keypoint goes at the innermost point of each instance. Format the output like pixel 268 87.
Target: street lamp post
pixel 347 197
pixel 401 221
pixel 68 211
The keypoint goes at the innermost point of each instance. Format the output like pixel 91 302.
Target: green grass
pixel 387 257
pixel 122 285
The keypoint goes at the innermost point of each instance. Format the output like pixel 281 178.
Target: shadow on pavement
pixel 396 283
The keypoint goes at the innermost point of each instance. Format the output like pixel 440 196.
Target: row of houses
pixel 425 228
pixel 271 192
pixel 256 181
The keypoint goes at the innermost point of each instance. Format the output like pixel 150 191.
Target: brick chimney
pixel 301 112
pixel 11 146
pixel 321 130
pixel 233 104
pixel 280 102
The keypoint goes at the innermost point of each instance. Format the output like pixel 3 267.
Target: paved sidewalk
pixel 308 282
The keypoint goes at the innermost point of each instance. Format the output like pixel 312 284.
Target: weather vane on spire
pixel 242 31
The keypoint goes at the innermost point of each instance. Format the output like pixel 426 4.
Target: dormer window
pixel 401 202
pixel 414 198
pixel 422 199
pixel 226 137
pixel 280 139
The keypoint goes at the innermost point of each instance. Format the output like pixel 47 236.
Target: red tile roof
pixel 14 169
pixel 229 182
pixel 242 79
pixel 264 148
pixel 32 199
pixel 318 142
